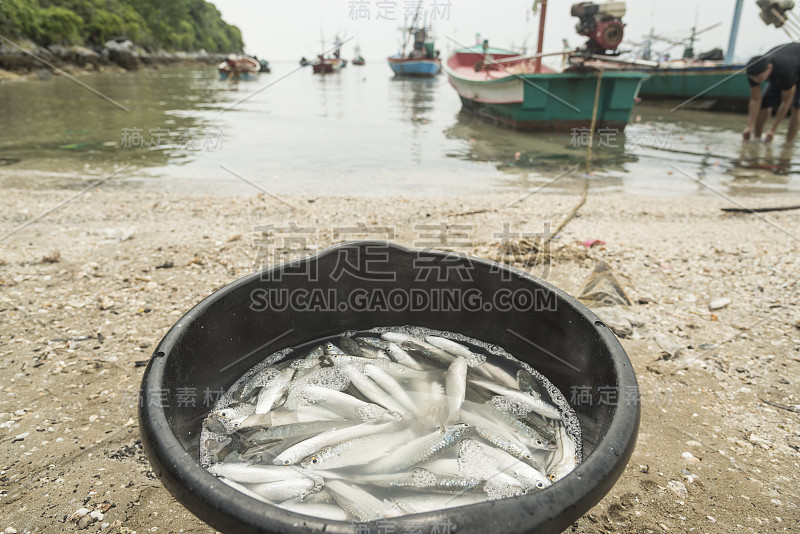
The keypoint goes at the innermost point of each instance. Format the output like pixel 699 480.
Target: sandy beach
pixel 89 288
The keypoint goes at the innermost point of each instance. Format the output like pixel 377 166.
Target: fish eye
pixel 286 462
pixel 528 457
pixel 314 460
pixel 540 484
pixel 539 443
pixel 552 477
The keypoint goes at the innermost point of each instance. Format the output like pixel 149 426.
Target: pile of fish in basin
pixel 393 421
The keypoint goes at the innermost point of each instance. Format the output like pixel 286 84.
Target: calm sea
pixel 360 131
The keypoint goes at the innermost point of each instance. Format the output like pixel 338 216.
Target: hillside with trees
pixel 174 25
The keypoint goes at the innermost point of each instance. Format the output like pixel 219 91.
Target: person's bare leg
pixel 794 125
pixel 761 120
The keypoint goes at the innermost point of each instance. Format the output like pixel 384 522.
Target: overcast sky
pixel 289 29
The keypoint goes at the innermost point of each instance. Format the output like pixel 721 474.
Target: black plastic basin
pixel 211 346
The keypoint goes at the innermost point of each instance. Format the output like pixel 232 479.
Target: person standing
pixel 780 67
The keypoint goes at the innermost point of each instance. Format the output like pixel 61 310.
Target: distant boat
pixel 304 62
pixel 359 59
pixel 239 68
pixel 423 60
pixel 519 92
pixel 327 65
pixel 323 65
pixel 264 65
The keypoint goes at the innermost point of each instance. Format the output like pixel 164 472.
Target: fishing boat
pixel 709 81
pixel 423 59
pixel 359 59
pixel 239 68
pixel 323 65
pixel 519 92
pixel 710 85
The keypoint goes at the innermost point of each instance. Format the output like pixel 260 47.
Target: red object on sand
pixel 589 243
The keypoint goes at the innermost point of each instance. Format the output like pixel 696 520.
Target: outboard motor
pixel 602 24
pixel 775 11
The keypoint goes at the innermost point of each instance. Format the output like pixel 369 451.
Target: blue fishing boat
pixel 415 67
pixel 423 60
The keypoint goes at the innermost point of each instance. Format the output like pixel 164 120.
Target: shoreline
pixel 18 65
pixel 90 288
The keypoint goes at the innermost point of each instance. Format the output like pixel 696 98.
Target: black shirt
pixel 785 61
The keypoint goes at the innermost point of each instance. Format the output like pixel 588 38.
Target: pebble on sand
pixel 678 488
pixel 718 303
pixel 690 457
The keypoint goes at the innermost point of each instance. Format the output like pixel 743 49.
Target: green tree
pixel 174 25
pixel 58 25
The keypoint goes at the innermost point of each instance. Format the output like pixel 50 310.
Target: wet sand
pixel 89 289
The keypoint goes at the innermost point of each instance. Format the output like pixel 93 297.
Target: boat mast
pixel 737 16
pixel 540 45
pixel 411 29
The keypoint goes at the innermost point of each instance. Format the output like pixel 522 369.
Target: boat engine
pixel 775 11
pixel 602 24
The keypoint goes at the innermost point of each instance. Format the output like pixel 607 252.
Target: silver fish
pixel 227 420
pixel 473 359
pixel 391 386
pixel 527 434
pixel 524 400
pixel 373 342
pixel 423 479
pixel 344 404
pixel 496 435
pixel 357 451
pixel 402 357
pixel 253 474
pixel 421 449
pixel 272 392
pixel 299 485
pixel 456 386
pixel 565 458
pixel 244 489
pixel 294 430
pixel 258 380
pixel 295 453
pixel 372 391
pixel 515 467
pixel 359 503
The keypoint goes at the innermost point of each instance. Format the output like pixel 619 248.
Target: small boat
pixel 327 65
pixel 359 59
pixel 519 92
pixel 239 68
pixel 323 65
pixel 304 62
pixel 264 66
pixel 422 67
pixel 423 60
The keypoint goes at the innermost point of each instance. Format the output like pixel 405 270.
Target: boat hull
pixel 722 87
pixel 423 68
pixel 328 66
pixel 243 68
pixel 551 102
pixel 246 76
